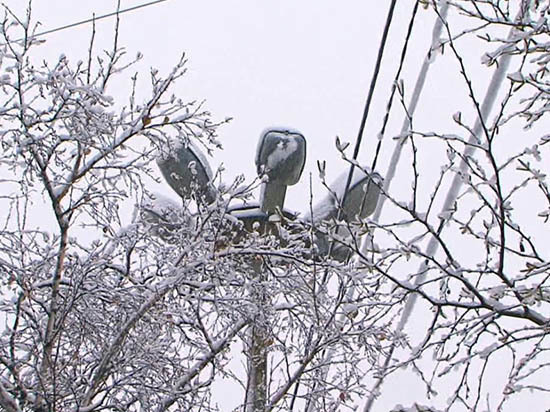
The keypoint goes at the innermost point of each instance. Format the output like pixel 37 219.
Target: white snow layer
pixel 285 148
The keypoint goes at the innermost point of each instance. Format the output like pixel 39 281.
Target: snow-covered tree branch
pixel 114 297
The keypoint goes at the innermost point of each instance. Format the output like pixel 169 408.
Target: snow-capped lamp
pixel 280 159
pixel 186 170
pixel 360 201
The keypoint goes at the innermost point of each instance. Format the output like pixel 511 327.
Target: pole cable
pixel 394 161
pixel 374 79
pixel 416 93
pixel 328 355
pixel 358 140
pixel 92 19
pixel 490 97
pixel 394 86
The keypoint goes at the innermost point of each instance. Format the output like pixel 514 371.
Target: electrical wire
pixel 486 107
pixel 92 19
pixel 420 82
pixel 381 49
pixel 351 291
pixel 394 85
pixel 358 140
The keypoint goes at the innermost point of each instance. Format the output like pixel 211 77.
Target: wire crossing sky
pixel 93 19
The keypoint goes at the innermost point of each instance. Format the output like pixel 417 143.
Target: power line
pixel 394 85
pixel 90 20
pixel 391 170
pixel 433 245
pixel 311 404
pixel 373 82
pixel 366 109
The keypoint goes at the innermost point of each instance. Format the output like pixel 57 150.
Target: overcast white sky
pixel 302 64
pixel 305 65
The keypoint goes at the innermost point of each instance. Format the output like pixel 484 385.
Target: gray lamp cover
pixel 360 201
pixel 186 169
pixel 281 155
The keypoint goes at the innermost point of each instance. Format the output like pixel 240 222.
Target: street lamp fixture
pixel 186 170
pixel 359 202
pixel 280 160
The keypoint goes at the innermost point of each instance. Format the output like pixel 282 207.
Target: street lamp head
pixel 281 155
pixel 187 171
pixel 360 201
